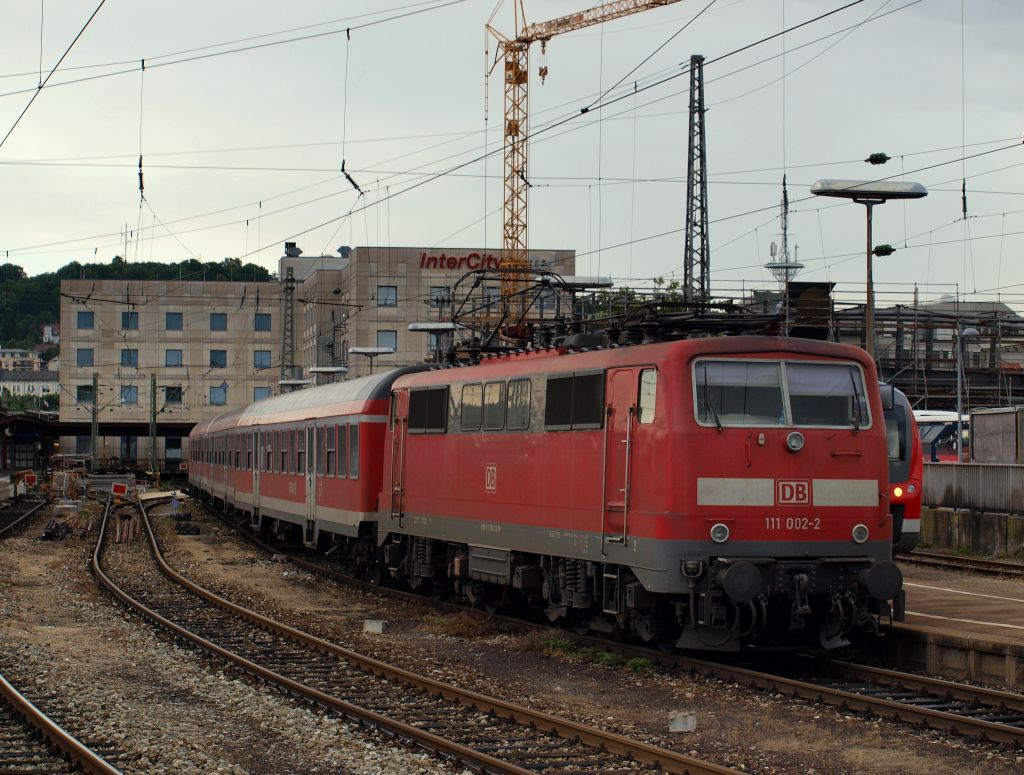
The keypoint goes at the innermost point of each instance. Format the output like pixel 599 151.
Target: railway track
pixel 935 703
pixel 31 742
pixel 980 565
pixel 483 733
pixel 16 512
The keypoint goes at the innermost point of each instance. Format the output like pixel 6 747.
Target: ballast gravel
pixel 163 707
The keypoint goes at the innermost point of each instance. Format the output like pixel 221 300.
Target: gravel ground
pixel 166 707
pixel 748 730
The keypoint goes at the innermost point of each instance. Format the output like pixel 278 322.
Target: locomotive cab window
pixel 428 410
pixel 574 402
pixel 647 397
pixel 830 394
pixel 766 393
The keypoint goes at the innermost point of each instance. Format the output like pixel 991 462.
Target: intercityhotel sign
pixel 472 261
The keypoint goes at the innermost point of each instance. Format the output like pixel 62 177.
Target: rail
pixel 981 487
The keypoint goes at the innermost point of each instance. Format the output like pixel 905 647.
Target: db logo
pixel 793 491
pixel 490 478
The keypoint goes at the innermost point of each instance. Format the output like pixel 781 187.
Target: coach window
pixel 331 462
pixel 471 407
pixel 248 452
pixel 271 443
pixel 353 451
pixel 300 455
pixel 494 406
pixel 648 396
pixel 293 446
pixel 284 451
pixel 320 434
pixel 342 446
pixel 574 402
pixel 517 415
pixel 428 410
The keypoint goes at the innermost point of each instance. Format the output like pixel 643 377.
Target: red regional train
pixel 718 493
pixel 906 471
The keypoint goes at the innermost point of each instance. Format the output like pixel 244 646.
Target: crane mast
pixel 515 52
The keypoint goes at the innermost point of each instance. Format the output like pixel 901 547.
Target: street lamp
pixel 869 193
pixel 960 334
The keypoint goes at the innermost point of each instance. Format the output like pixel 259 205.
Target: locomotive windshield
pixel 780 393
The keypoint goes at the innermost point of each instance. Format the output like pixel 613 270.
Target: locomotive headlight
pixel 795 441
pixel 719 533
pixel 897 491
pixel 860 533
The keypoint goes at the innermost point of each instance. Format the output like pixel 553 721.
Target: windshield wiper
pixel 856 403
pixel 707 401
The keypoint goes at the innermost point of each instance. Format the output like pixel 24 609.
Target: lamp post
pixel 960 334
pixel 869 193
pixel 371 353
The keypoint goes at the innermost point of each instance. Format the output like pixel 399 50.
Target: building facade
pixel 16 359
pixel 29 383
pixel 367 300
pixel 182 351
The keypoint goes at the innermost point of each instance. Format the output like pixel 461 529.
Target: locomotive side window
pixel 826 394
pixel 739 393
pixel 428 410
pixel 648 396
pixel 494 406
pixel 353 450
pixel 518 412
pixel 472 399
pixel 574 402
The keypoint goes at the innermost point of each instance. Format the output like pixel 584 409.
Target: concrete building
pixel 368 298
pixel 29 383
pixel 16 359
pixel 206 347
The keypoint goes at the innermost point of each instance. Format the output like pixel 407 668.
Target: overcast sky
pixel 404 100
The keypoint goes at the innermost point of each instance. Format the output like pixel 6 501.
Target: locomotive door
pixel 399 438
pixel 619 427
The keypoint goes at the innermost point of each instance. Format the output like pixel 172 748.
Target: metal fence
pixel 975 486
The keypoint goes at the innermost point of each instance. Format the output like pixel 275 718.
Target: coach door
pixel 311 461
pixel 399 439
pixel 620 424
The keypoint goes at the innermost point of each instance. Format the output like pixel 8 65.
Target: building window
pixel 387 339
pixel 86 320
pixel 130 357
pixel 218 359
pixel 83 394
pixel 218 395
pixel 387 295
pixel 85 356
pixel 261 322
pixel 130 321
pixel 261 359
pixel 491 294
pixel 438 295
pixel 173 321
pixel 172 448
pixel 434 341
pixel 83 445
pixel 258 394
pixel 172 394
pixel 129 395
pixel 172 358
pixel 218 321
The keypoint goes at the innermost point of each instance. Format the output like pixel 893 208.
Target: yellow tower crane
pixel 515 52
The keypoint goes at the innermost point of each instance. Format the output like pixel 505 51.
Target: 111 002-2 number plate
pixel 792 523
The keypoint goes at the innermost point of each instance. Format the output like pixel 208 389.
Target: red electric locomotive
pixel 906 471
pixel 713 493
